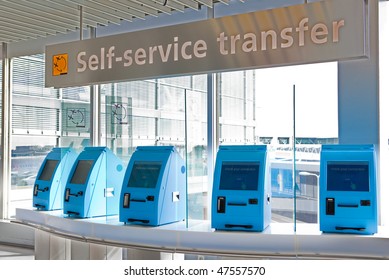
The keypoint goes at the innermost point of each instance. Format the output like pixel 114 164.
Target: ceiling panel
pixel 30 19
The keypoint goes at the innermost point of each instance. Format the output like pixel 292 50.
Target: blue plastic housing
pixel 348 191
pixel 51 179
pixel 154 187
pixel 241 190
pixel 93 187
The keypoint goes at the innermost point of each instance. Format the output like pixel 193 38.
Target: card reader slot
pixel 348 205
pixel 126 200
pixel 137 200
pixel 68 194
pixel 138 220
pixel 221 204
pixel 236 204
pixel 351 228
pixel 238 226
pixel 37 189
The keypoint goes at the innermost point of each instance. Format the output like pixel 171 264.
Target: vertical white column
pixel 95 108
pixel 384 106
pixel 358 90
pixel 212 122
pixel 6 131
pixel 358 95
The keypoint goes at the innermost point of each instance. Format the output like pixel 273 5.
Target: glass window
pixel 75 117
pixel 236 107
pixel 29 77
pixel 35 122
pixel 256 107
pixel 161 112
pixel 42 118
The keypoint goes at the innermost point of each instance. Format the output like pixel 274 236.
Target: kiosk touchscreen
pixel 154 187
pixel 93 187
pixel 51 179
pixel 348 195
pixel 241 192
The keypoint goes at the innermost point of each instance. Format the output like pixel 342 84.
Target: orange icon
pixel 60 64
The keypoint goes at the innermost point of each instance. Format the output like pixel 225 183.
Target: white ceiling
pixel 30 19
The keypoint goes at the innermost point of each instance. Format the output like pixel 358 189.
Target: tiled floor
pixel 15 253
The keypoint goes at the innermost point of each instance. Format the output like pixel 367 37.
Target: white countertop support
pixel 278 240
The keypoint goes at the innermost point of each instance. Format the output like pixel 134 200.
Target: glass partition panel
pixel 256 107
pixel 197 158
pixel 295 165
pixel 162 112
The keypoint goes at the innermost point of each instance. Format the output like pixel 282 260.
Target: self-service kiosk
pixel 241 191
pixel 93 187
pixel 51 179
pixel 154 187
pixel 348 192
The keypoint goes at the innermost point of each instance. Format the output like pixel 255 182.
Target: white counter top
pixel 279 239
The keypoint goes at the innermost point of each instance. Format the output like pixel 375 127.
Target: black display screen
pixel 82 171
pixel 348 177
pixel 239 176
pixel 48 170
pixel 144 175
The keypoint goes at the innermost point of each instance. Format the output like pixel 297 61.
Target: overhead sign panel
pixel 307 33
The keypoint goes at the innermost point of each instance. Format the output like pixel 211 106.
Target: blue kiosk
pixel 241 190
pixel 51 179
pixel 93 187
pixel 154 187
pixel 348 192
